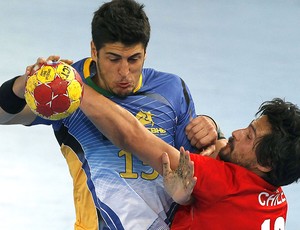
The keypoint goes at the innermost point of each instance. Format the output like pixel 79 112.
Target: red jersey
pixel 228 196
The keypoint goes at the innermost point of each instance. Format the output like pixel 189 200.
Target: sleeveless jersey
pixel 228 196
pixel 112 184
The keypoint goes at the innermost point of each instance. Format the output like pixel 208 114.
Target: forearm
pixel 125 131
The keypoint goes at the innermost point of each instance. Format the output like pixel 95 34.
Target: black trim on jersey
pixel 64 137
pixel 171 213
pixel 186 95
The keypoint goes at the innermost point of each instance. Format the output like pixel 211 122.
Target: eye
pixel 114 59
pixel 133 59
pixel 250 133
pixel 249 136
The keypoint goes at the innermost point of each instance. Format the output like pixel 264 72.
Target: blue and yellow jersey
pixel 110 183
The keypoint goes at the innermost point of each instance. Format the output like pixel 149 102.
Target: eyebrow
pixel 117 55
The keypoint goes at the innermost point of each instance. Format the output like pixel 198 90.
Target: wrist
pixel 218 129
pixel 188 202
pixel 18 87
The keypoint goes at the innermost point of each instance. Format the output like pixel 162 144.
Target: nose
pixel 237 134
pixel 124 68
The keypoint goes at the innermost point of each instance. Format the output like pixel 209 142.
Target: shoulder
pixel 205 165
pixel 204 161
pixel 150 74
pixel 226 171
pixel 162 81
pixel 83 66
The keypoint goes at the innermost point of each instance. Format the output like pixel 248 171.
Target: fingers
pixel 200 138
pixel 53 58
pixel 185 155
pixel 201 132
pixel 67 61
pixel 209 151
pixel 182 160
pixel 32 68
pixel 29 70
pixel 166 164
pixel 41 61
pixel 188 171
pixel 191 167
pixel 190 186
pixel 221 144
pixel 187 165
pixel 191 182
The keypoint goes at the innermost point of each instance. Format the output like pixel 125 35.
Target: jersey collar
pixel 90 82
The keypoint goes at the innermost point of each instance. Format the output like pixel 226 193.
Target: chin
pixel 123 93
pixel 224 153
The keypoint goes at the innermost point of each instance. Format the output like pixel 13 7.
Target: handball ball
pixel 54 90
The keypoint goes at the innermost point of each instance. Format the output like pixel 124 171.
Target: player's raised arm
pixel 125 131
pixel 13 108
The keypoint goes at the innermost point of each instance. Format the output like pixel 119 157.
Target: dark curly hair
pixel 280 150
pixel 120 21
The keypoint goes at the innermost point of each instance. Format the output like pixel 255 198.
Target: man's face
pixel 119 67
pixel 241 146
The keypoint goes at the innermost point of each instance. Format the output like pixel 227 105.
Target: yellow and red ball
pixel 54 90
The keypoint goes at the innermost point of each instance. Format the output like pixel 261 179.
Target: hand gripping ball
pixel 54 90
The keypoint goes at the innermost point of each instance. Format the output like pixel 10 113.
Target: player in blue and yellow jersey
pixel 113 188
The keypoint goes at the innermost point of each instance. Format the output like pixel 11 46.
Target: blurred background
pixel 232 54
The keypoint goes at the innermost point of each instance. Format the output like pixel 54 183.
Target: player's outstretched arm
pixel 179 183
pixel 125 131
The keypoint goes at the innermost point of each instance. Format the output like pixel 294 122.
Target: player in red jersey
pixel 242 191
pixel 228 196
pixel 239 190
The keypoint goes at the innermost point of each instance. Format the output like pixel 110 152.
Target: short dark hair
pixel 122 21
pixel 280 150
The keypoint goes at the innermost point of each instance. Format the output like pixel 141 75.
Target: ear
pixel 264 169
pixel 93 51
